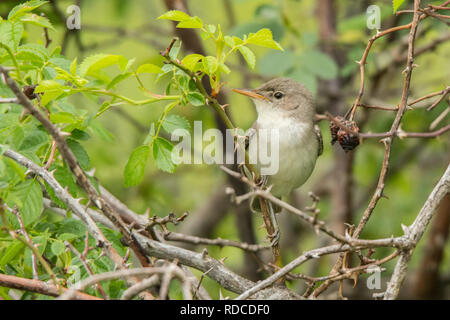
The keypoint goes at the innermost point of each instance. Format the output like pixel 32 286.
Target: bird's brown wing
pixel 319 138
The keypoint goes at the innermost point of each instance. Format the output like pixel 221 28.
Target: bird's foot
pixel 274 238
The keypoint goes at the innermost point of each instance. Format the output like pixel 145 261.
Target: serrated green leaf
pixel 229 41
pixel 24 8
pixel 34 141
pixel 11 33
pixel 249 56
pixel 30 55
pixel 135 168
pixel 73 67
pixel 173 122
pixel 51 89
pixel 9 120
pixel 66 179
pixel 28 198
pixel 196 99
pixel 191 23
pixel 53 196
pixel 63 117
pixel 175 15
pixel 396 4
pixel 80 135
pixel 210 64
pixel 264 38
pixel 47 85
pixel 97 62
pixel 61 62
pixel 37 20
pixel 80 153
pixel 58 247
pixel 70 225
pixel 148 68
pixel 162 154
pixel 11 252
pixel 190 61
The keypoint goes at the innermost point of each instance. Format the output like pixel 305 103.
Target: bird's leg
pixel 275 236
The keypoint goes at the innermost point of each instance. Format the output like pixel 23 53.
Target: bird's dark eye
pixel 278 95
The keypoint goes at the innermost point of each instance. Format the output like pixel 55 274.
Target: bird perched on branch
pixel 287 107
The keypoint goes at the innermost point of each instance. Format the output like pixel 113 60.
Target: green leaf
pixel 162 153
pixel 396 4
pixel 11 252
pixel 118 79
pixel 37 20
pixel 58 247
pixel 191 23
pixel 274 25
pixel 249 56
pixel 11 33
pixel 210 64
pixel 97 62
pixel 173 54
pixel 135 168
pixel 320 64
pixel 65 177
pixel 229 41
pixel 32 53
pixel 70 225
pixel 196 99
pixel 173 122
pixel 53 196
pixel 51 89
pixel 61 62
pixel 67 237
pixel 211 28
pixel 80 153
pixel 63 117
pixel 175 15
pixel 264 38
pixel 34 140
pixel 148 68
pixel 47 85
pixel 24 8
pixel 190 61
pixel 28 198
pixel 80 135
pixel 73 67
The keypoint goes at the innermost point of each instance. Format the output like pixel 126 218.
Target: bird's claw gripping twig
pixel 274 237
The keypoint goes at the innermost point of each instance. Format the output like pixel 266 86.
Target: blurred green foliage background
pixel 130 28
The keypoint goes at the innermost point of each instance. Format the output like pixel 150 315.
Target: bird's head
pixel 285 95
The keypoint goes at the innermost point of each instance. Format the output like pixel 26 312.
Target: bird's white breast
pixel 298 149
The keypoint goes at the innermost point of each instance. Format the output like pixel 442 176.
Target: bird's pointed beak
pixel 251 94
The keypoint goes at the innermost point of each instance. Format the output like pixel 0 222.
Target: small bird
pixel 288 106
